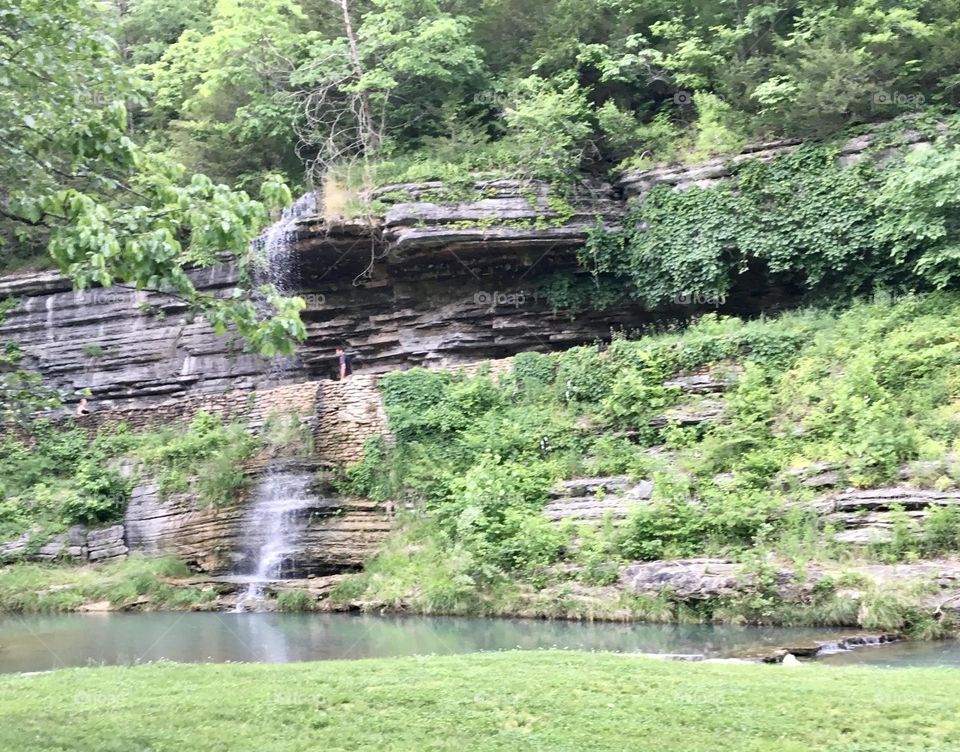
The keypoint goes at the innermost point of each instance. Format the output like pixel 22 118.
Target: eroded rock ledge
pixel 432 280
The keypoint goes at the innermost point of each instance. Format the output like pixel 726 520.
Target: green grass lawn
pixel 502 701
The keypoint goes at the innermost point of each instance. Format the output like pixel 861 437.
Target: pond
pixel 38 643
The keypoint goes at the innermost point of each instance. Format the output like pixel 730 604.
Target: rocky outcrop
pixel 636 184
pixel 692 413
pixel 934 585
pixel 125 346
pixel 340 532
pixel 594 500
pixel 78 544
pixel 202 535
pixel 432 283
pixel 435 275
pixel 867 516
pixel 714 380
pixel 501 215
pixel 339 535
pixel 705 579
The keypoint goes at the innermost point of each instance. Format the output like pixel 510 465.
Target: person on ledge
pixel 346 369
pixel 82 408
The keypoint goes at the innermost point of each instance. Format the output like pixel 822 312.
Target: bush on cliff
pixel 866 391
pixel 55 475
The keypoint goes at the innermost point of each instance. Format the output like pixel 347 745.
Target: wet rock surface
pixel 339 533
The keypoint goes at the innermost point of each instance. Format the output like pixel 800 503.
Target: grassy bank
pixel 136 581
pixel 506 701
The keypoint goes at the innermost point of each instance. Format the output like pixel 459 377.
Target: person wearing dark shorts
pixel 346 369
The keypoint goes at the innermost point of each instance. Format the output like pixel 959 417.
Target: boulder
pixel 706 579
pixel 685 579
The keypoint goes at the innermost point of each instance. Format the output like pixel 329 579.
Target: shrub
pixel 941 531
pixel 295 600
pixel 582 375
pixel 534 371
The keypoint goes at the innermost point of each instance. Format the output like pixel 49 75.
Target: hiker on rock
pixel 346 369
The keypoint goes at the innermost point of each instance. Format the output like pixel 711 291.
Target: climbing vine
pixel 813 218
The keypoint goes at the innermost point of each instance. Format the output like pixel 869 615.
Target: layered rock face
pixel 334 533
pixel 338 533
pixel 870 516
pixel 430 281
pixel 426 284
pixel 77 544
pixel 595 500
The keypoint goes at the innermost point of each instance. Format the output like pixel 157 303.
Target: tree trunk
pixel 368 133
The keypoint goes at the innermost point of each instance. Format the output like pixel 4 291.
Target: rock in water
pixel 790 660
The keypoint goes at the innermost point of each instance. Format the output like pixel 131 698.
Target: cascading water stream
pixel 279 263
pixel 276 521
pixel 274 527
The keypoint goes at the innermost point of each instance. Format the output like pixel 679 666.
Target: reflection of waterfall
pixel 274 527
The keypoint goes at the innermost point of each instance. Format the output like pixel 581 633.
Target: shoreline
pixel 915 601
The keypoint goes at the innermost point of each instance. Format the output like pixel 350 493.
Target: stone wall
pixel 249 407
pixel 348 413
pixel 78 544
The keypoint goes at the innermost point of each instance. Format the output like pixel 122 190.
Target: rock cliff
pixel 435 277
pixel 432 276
pixel 339 534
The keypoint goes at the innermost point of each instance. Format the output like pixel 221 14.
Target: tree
pixel 108 210
pixel 388 79
pixel 220 98
pixel 919 207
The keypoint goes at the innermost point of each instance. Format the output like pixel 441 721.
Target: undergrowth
pixel 57 475
pixel 48 588
pixel 864 393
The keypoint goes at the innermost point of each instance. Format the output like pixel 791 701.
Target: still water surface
pixel 38 643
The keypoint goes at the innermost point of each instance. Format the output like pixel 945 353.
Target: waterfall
pixel 279 513
pixel 280 267
pixel 274 527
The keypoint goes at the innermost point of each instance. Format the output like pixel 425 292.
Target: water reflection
pixel 39 643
